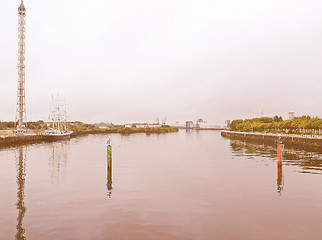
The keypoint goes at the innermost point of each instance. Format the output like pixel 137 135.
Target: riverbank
pixel 126 131
pixel 23 139
pixel 15 140
pixel 305 142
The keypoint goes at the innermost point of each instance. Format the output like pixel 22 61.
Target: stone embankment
pixel 312 142
pixel 13 140
pixel 21 139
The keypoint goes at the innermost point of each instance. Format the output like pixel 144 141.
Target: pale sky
pixel 133 61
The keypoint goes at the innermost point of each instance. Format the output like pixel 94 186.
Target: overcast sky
pixel 136 60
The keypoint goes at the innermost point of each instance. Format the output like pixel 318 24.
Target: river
pixel 185 185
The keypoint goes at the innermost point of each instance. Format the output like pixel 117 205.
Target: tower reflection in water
pixel 21 176
pixel 109 169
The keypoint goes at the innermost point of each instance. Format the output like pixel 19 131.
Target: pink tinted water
pixel 185 185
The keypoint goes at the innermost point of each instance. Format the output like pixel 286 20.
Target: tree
pixel 277 119
pixel 234 124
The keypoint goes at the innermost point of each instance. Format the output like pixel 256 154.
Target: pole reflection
pixel 58 160
pixel 280 181
pixel 21 175
pixel 109 180
pixel 308 162
pixel 109 169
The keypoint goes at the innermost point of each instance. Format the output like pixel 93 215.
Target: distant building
pixel 76 124
pixel 100 125
pixel 227 122
pixel 153 125
pixel 189 124
pixel 110 125
pixel 103 125
pixel 200 123
pixel 143 125
pixel 210 126
pixel 291 115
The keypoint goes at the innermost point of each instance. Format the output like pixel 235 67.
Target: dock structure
pixel 189 125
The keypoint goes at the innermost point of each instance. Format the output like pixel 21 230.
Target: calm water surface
pixel 185 185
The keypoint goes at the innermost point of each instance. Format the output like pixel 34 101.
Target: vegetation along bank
pixel 35 134
pixel 303 132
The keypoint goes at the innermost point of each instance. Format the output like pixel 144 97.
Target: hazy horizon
pixel 133 61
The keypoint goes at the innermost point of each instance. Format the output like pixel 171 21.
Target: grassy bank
pixel 298 125
pixel 122 130
pixel 13 140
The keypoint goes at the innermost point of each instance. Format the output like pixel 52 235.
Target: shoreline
pixel 300 141
pixel 16 140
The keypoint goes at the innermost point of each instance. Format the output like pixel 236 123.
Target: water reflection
pixel 109 180
pixel 309 162
pixel 280 180
pixel 21 175
pixel 109 170
pixel 58 160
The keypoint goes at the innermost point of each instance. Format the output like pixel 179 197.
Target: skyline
pixel 130 62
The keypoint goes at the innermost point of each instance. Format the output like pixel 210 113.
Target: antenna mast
pixel 21 105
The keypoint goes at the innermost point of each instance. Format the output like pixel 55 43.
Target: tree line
pixel 304 124
pixel 30 125
pixel 91 127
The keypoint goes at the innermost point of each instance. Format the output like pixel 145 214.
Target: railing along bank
pixel 276 134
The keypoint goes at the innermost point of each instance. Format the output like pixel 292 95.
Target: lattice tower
pixel 21 105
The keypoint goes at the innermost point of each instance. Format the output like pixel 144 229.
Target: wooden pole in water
pixel 109 156
pixel 279 153
pixel 280 147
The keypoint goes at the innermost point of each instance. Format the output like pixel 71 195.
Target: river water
pixel 185 185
